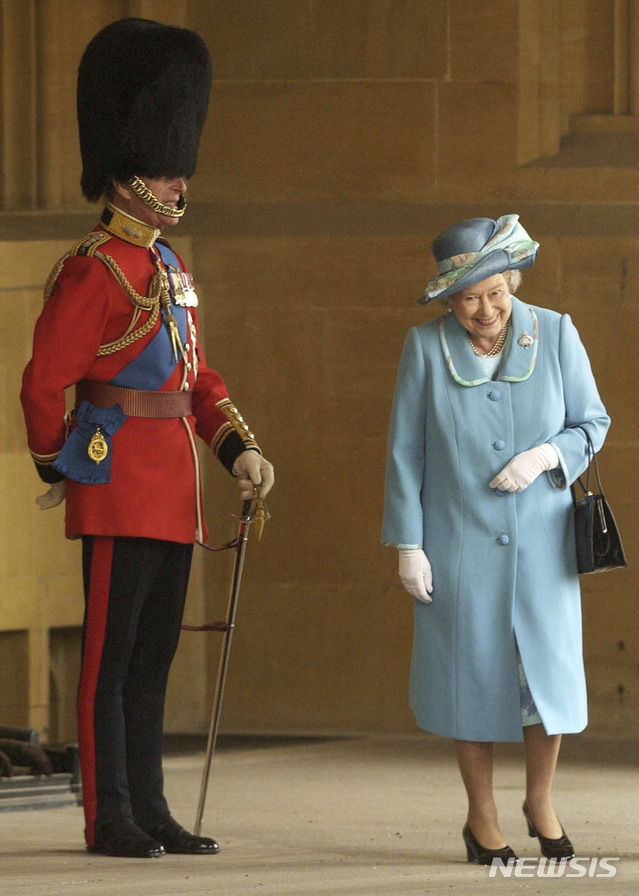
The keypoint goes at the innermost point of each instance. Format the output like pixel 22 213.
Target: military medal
pixel 98 448
pixel 183 292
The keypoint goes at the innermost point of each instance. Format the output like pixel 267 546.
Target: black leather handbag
pixel 599 546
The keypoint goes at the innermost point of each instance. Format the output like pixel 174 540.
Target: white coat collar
pixel 520 352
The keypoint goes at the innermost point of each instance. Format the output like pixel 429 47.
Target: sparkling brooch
pixel 525 340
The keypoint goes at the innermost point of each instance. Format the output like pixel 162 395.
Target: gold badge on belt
pixel 98 448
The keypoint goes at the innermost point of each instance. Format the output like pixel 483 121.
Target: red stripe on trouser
pixel 95 627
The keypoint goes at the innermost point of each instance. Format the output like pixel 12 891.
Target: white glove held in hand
pixel 416 574
pixel 252 469
pixel 524 468
pixel 54 496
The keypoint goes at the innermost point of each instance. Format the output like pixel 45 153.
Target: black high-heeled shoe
pixel 559 848
pixel 478 854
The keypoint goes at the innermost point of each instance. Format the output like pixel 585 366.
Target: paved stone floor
pixel 357 816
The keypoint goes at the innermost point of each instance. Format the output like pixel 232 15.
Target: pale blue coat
pixel 504 567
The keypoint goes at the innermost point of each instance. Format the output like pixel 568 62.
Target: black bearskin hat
pixel 143 92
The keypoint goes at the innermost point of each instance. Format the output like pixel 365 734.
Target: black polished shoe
pixel 124 838
pixel 478 854
pixel 174 838
pixel 560 848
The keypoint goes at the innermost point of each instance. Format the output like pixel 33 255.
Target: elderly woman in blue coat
pixel 484 444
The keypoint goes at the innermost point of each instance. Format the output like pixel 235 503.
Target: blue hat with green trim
pixel 476 249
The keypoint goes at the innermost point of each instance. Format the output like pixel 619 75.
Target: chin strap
pixel 140 189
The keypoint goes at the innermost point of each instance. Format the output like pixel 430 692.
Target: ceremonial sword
pixel 254 513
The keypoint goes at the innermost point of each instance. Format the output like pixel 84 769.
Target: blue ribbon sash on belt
pixel 74 460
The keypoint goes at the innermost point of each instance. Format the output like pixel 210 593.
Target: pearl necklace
pixel 497 347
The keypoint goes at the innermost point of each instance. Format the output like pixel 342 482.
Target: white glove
pixel 416 574
pixel 54 496
pixel 524 468
pixel 252 469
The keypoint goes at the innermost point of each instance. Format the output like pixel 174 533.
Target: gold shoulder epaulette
pixel 88 245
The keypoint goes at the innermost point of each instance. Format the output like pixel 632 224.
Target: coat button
pixel 503 539
pixel 499 445
pixel 494 395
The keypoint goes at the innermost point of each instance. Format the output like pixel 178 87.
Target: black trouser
pixel 135 590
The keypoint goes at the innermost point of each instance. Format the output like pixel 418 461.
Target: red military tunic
pixel 81 334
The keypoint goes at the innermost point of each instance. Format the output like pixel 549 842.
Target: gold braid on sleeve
pixel 235 423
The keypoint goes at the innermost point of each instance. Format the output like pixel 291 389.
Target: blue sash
pixel 147 371
pixel 154 365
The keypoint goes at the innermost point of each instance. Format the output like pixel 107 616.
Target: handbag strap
pixel 592 460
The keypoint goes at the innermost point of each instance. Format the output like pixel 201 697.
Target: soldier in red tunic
pixel 120 324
